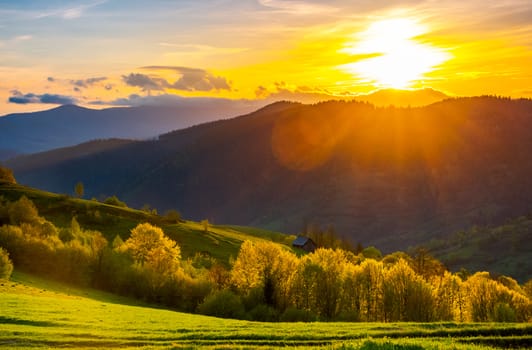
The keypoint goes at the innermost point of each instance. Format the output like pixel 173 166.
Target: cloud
pixel 145 82
pixel 70 12
pixel 84 83
pixel 22 38
pixel 193 79
pixel 212 104
pixel 20 98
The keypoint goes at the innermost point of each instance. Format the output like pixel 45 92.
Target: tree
pixel 6 175
pixel 407 297
pixel 266 269
pixel 6 266
pixel 172 216
pixel 79 189
pixel 205 224
pixel 149 246
pixel 425 264
pixel 23 211
pixel 115 201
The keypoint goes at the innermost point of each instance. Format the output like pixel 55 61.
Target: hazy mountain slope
pixel 70 125
pixel 403 98
pixel 385 176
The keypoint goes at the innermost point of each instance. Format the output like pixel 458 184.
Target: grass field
pixel 36 313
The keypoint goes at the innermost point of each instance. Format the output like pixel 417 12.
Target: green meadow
pixel 37 313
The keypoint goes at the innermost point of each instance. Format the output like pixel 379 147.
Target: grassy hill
pixel 40 314
pixel 503 249
pixel 219 242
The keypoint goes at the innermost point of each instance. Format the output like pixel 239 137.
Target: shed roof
pixel 300 241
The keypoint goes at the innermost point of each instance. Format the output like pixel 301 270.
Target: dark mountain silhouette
pixel 69 125
pixel 392 177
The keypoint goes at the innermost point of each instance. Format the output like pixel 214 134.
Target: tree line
pixel 266 281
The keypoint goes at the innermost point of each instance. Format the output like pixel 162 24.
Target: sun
pixel 396 58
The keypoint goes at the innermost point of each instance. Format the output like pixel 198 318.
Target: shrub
pixel 6 266
pixel 23 211
pixel 223 303
pixel 115 201
pixel 264 313
pixel 6 175
pixel 172 216
pixel 296 315
pixel 504 313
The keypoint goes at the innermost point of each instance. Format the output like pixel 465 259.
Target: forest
pixel 266 281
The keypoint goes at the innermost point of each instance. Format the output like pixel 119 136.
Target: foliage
pixel 267 281
pixel 223 303
pixel 23 211
pixel 113 200
pixel 6 175
pixel 6 265
pixel 172 216
pixel 79 189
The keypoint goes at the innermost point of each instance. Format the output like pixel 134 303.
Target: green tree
pixel 266 269
pixel 113 200
pixel 6 266
pixel 79 189
pixel 172 216
pixel 23 211
pixel 149 246
pixel 205 224
pixel 6 175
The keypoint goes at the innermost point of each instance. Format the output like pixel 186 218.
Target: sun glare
pixel 399 59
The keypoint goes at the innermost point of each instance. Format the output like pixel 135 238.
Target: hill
pixel 503 249
pixel 403 98
pixel 69 125
pixel 93 319
pixel 389 177
pixel 218 242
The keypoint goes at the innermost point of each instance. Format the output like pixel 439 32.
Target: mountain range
pixel 69 125
pixel 385 176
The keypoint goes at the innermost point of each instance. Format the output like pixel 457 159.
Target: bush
pixel 264 313
pixel 6 266
pixel 504 313
pixel 6 175
pixel 296 315
pixel 115 201
pixel 223 303
pixel 172 216
pixel 23 211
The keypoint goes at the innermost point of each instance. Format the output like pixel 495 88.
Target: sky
pixel 101 53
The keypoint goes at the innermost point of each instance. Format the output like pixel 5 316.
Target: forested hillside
pixel 390 177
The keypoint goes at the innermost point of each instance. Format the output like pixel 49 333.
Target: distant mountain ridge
pixel 69 125
pixel 392 177
pixel 403 98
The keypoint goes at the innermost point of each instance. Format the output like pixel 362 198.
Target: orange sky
pixel 103 53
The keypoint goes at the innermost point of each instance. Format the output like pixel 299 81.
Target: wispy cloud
pixel 71 12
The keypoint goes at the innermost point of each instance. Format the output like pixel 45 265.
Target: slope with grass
pixel 36 313
pixel 218 242
pixel 504 249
